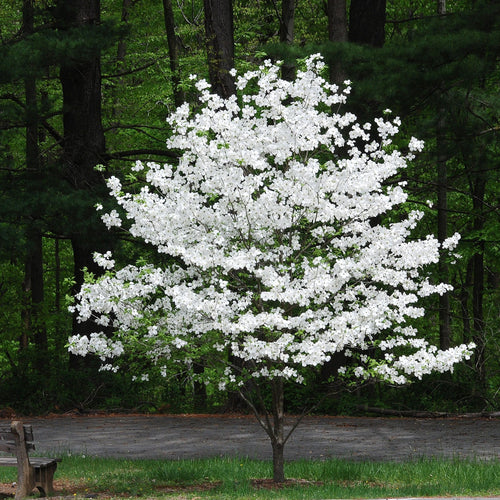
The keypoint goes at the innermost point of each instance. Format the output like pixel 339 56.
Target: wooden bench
pixel 34 472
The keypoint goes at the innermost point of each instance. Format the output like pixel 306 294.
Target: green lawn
pixel 224 478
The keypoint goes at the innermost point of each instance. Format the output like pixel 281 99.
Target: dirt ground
pixel 198 436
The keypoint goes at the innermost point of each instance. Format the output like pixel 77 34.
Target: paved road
pixel 177 436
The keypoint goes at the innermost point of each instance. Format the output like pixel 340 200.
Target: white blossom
pixel 268 220
pixel 416 144
pixel 104 260
pixel 451 242
pixel 112 219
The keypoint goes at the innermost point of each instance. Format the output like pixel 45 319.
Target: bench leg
pixel 44 479
pixel 25 482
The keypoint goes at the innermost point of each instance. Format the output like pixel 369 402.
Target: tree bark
pixel 367 22
pixel 287 22
pixel 478 273
pixel 173 51
pixel 442 217
pixel 278 431
pixel 441 7
pixel 83 143
pixel 120 58
pixel 122 46
pixel 33 282
pixel 464 301
pixel 220 45
pixel 337 32
pixel 80 78
pixel 442 230
pixel 33 291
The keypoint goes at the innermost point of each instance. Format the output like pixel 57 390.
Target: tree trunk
pixel 442 230
pixel 367 22
pixel 83 261
pixel 220 45
pixel 59 333
pixel 173 51
pixel 120 58
pixel 337 32
pixel 83 144
pixel 199 390
pixel 478 273
pixel 37 301
pixel 442 217
pixel 478 317
pixel 278 431
pixel 122 46
pixel 33 281
pixel 286 34
pixel 464 302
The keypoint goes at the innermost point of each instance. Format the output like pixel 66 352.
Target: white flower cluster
pixel 104 260
pixel 97 343
pixel 270 214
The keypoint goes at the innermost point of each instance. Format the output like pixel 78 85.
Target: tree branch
pixel 134 152
pixel 43 121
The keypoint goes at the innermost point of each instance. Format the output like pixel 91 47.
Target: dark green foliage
pixel 429 69
pixel 32 55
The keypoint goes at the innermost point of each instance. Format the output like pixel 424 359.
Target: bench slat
pixel 43 461
pixel 10 446
pixel 36 462
pixel 8 461
pixel 8 442
pixel 28 433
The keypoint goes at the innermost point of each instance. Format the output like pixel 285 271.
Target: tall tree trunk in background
pixel 34 289
pixel 337 32
pixel 367 22
pixel 173 51
pixel 442 230
pixel 287 21
pixel 219 33
pixel 83 145
pixel 58 330
pixel 122 45
pixel 478 272
pixel 121 52
pixel 33 280
pixel 442 216
pixel 465 286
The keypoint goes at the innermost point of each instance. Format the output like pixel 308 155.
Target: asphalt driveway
pixel 195 436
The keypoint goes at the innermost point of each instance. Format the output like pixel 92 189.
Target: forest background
pixel 90 82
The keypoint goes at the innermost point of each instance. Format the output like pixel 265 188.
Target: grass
pixel 225 478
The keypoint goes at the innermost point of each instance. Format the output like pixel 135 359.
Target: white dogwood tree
pixel 272 260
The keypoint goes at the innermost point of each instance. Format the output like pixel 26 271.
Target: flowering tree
pixel 272 259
